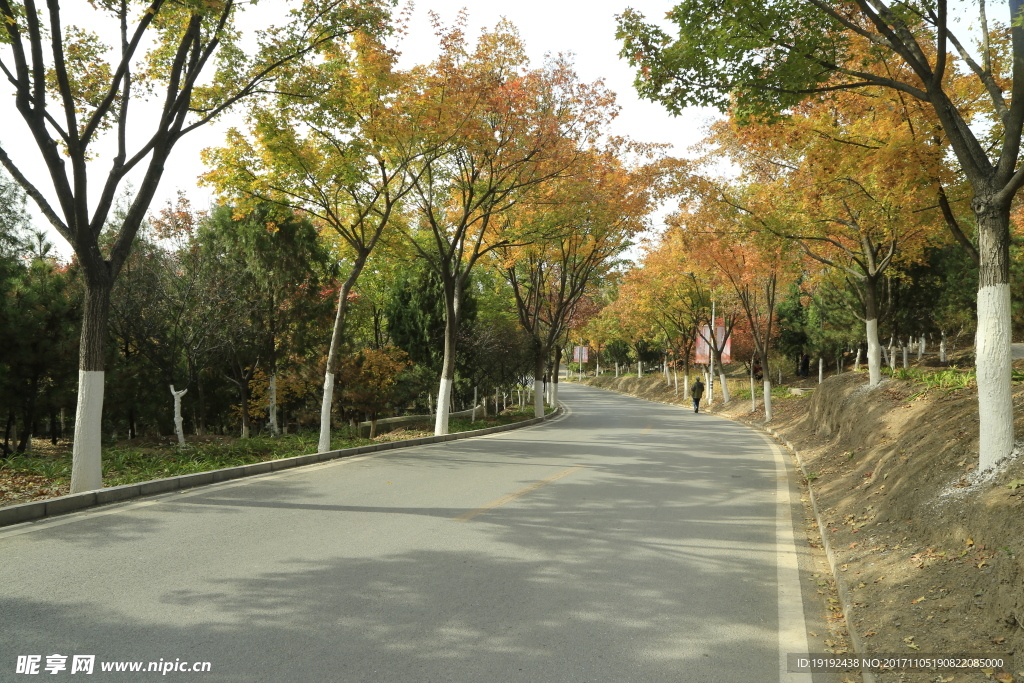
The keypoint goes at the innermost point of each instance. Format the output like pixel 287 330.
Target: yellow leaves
pixel 909 640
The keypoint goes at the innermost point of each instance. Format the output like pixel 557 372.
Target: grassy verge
pixel 47 471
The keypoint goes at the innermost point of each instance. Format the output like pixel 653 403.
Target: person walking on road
pixel 697 391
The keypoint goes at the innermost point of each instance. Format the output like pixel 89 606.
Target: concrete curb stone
pixel 41 509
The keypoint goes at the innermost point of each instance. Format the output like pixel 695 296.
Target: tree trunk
pixel 337 334
pixel 273 405
pixel 942 348
pixel 451 326
pixel 993 356
pixel 538 386
pixel 821 369
pixel 554 381
pixel 86 458
pixel 473 418
pixel 856 364
pixel 178 420
pixel 753 394
pixel 201 426
pixel 243 390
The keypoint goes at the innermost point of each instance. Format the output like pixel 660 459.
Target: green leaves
pixel 759 57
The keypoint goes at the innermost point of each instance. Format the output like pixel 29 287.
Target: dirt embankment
pixel 930 551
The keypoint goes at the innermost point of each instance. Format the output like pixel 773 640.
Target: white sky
pixel 586 29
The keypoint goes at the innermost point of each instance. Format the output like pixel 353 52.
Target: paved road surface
pixel 627 541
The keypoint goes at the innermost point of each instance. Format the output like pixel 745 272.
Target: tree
pixel 762 59
pixel 505 129
pixel 755 272
pixel 371 380
pixel 336 147
pixel 587 220
pixel 850 180
pixel 271 267
pixel 190 58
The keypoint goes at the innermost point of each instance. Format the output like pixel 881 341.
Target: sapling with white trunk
pixel 753 394
pixel 179 429
pixel 272 405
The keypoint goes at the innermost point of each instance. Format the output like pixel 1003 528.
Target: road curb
pixel 51 507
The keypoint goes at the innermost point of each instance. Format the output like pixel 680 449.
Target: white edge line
pixel 792 626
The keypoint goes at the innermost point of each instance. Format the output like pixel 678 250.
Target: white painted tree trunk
pixel 178 420
pixel 993 359
pixel 538 398
pixel 780 376
pixel 753 393
pixel 616 370
pixel 639 369
pixel 942 348
pixel 921 349
pixel 709 381
pixel 725 387
pixel 664 366
pixel 444 397
pixel 892 353
pixel 272 408
pixel 875 353
pixel 767 399
pixel 87 463
pixel 856 364
pixel 686 384
pixel 906 359
pixel 325 413
pixel 554 395
pixel 473 418
pixel 430 404
pixel 821 369
pixel 675 379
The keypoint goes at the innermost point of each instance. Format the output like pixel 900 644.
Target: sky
pixel 583 28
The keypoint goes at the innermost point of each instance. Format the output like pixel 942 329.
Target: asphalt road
pixel 627 541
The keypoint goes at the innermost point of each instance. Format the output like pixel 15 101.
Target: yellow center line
pixel 465 517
